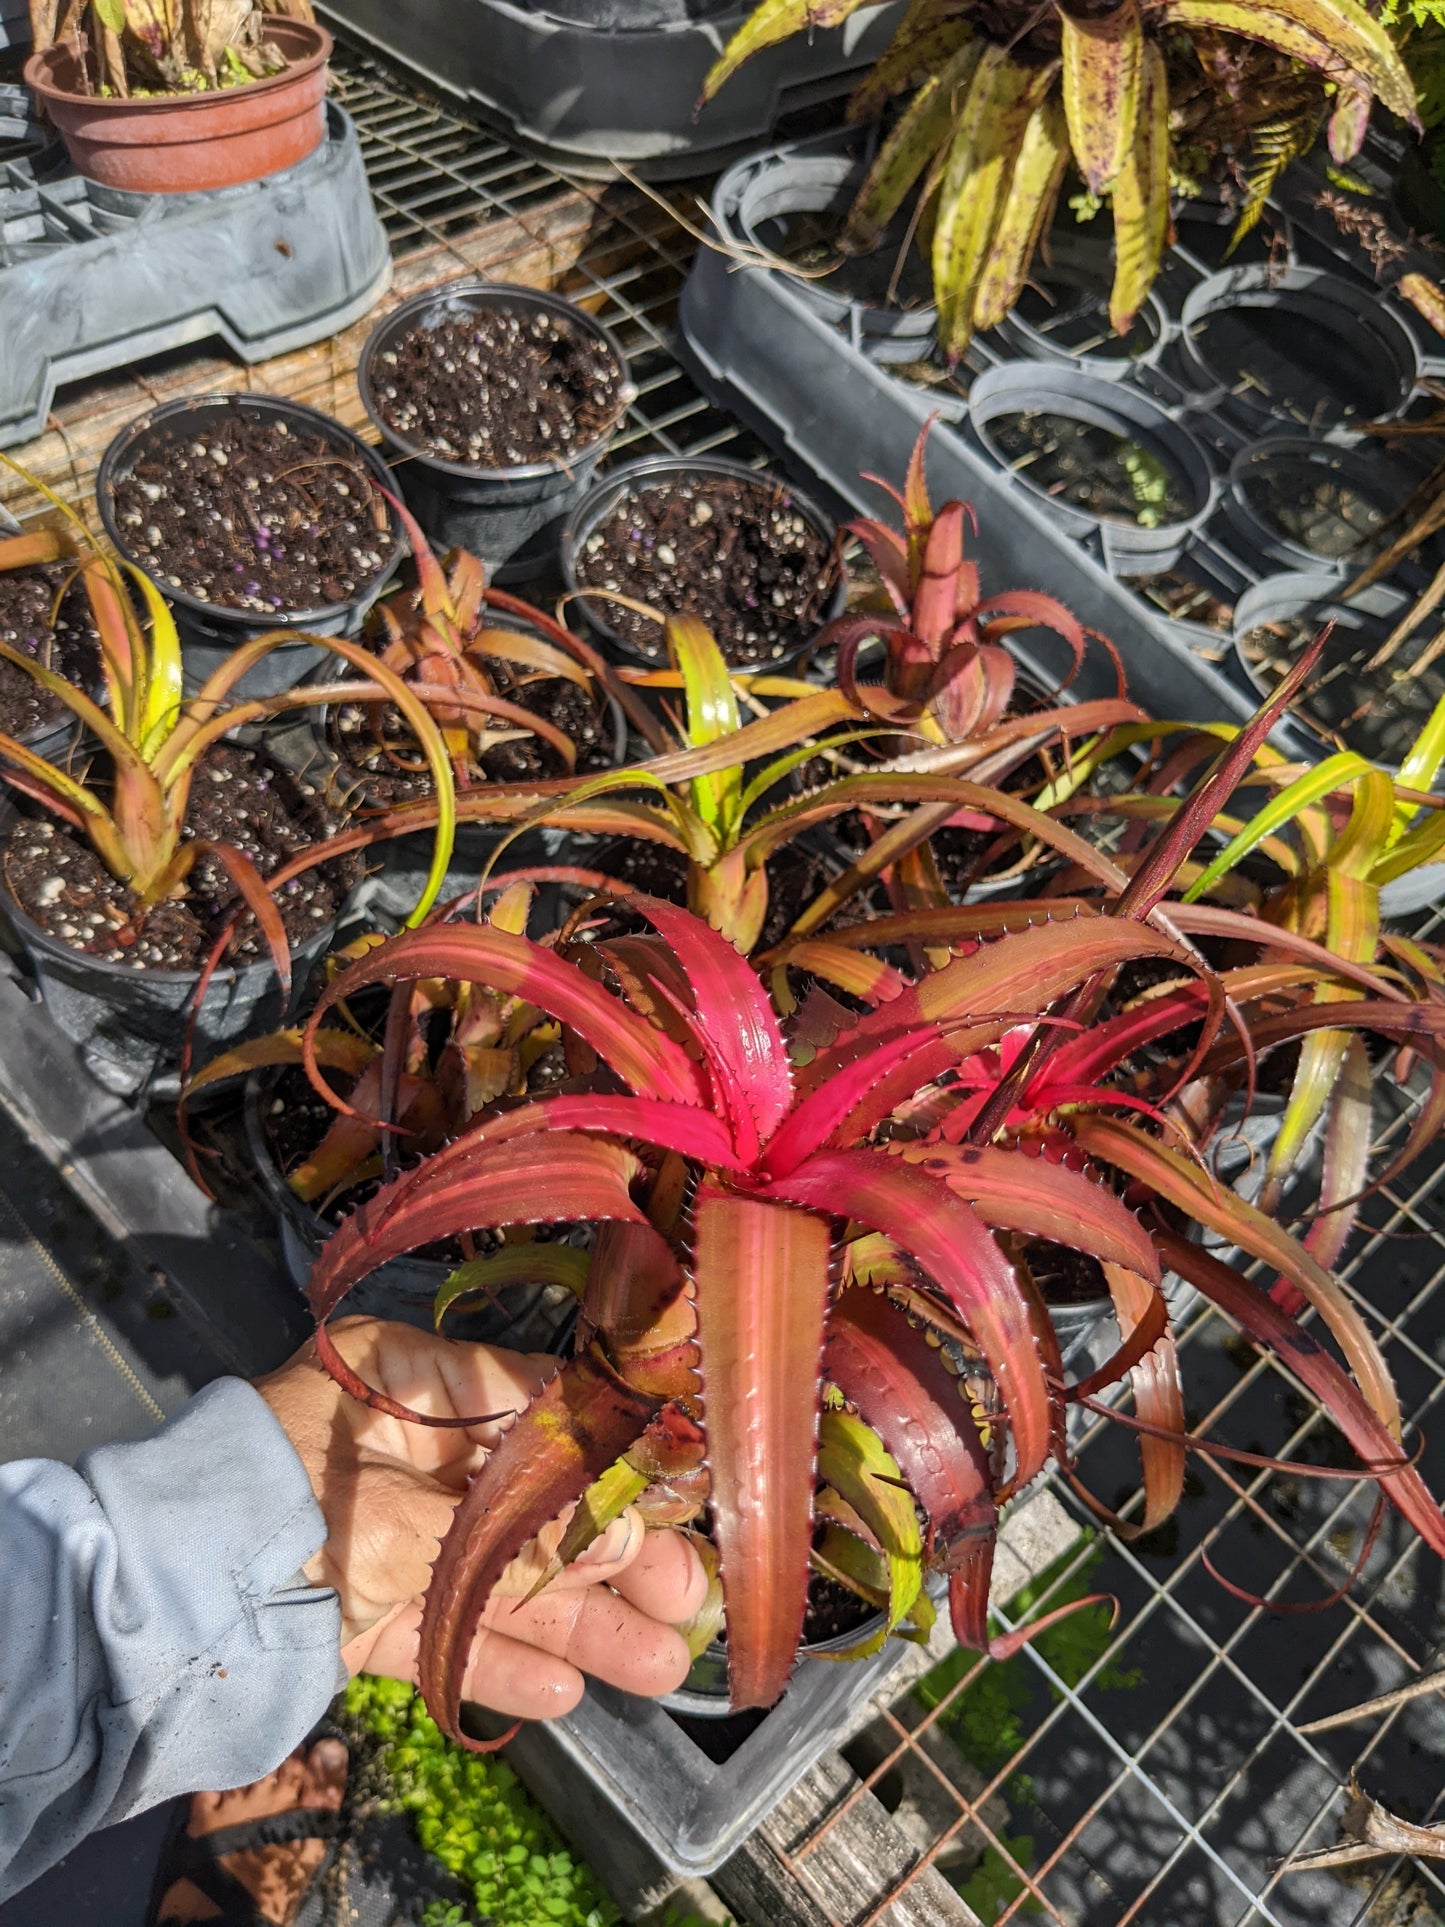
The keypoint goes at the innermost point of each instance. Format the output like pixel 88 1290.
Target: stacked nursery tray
pixel 1239 397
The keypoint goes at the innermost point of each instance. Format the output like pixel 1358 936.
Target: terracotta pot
pixel 181 143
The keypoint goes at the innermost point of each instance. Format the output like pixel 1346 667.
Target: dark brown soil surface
pixel 795 876
pixel 1063 1275
pixel 741 555
pixel 1323 513
pixel 1092 468
pixel 832 1610
pixel 393 771
pixel 68 645
pixel 238 798
pixel 249 514
pixel 499 389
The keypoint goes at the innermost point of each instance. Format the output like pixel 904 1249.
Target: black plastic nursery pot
pixel 1366 695
pixel 130 1024
pixel 525 1317
pixel 210 632
pixel 504 515
pixel 1295 349
pixel 601 506
pixel 1059 431
pixel 1294 503
pixel 883 301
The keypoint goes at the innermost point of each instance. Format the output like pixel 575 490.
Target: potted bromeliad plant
pixel 172 96
pixel 810 1318
pixel 1000 103
pixel 130 878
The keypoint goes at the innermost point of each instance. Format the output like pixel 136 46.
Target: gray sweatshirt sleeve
pixel 156 1633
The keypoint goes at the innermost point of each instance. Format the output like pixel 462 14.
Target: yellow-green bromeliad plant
pixel 152 739
pixel 1004 95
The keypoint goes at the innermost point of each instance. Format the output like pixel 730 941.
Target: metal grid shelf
pixel 1172 1801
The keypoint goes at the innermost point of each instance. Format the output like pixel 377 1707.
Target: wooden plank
pixel 841 1879
pixel 539 249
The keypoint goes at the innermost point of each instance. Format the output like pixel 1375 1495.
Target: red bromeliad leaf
pixel 901 1387
pixel 1346 1170
pixel 1000 615
pixel 1172 1177
pixel 1013 1191
pixel 477 953
pixel 1262 1320
pixel 995 988
pixel 947 1240
pixel 736 1025
pixel 637 1299
pixel 936 597
pixel 1206 920
pixel 1155 872
pixel 578 1425
pixel 684 1128
pixel 544 1179
pixel 1158 1397
pixel 761 1275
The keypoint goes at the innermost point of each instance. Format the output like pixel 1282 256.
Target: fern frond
pixel 1275 145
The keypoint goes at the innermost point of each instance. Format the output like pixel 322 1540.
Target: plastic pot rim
pixel 1032 385
pixel 1303 449
pixel 609 490
pixel 217 615
pixel 37 77
pixel 1305 588
pixel 1260 286
pixel 498 291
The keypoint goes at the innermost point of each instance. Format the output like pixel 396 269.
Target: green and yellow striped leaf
pixel 1103 58
pixel 918 136
pixel 1032 195
pixel 1141 196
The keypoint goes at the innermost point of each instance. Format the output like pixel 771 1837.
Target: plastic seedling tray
pixel 829 386
pixel 92 279
pixel 594 81
pixel 14 23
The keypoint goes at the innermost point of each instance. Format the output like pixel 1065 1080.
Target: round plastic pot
pixel 826 184
pixel 1052 388
pixel 602 502
pixel 1285 464
pixel 130 1024
pixel 187 143
pixel 703 1695
pixel 503 515
pixel 1073 324
pixel 1350 326
pixel 211 634
pixel 524 1316
pixel 1361 623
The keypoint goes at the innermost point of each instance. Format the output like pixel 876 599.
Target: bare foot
pixel 277 1878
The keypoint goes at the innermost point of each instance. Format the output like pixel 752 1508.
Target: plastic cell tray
pixel 91 279
pixel 615 79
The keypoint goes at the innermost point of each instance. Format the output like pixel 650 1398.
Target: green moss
pixel 473 1813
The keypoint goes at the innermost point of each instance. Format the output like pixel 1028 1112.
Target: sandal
pixel 196 1858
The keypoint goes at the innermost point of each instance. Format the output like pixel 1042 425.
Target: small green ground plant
pixel 474 1815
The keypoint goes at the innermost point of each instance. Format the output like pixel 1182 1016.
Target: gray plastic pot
pixel 1359 361
pixel 525 1317
pixel 1064 313
pixel 503 515
pixel 603 501
pixel 1360 626
pixel 210 635
pixel 92 278
pixel 1286 465
pixel 789 184
pixel 1056 389
pixel 621 84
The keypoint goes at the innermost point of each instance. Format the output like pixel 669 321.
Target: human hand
pixel 388 1489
